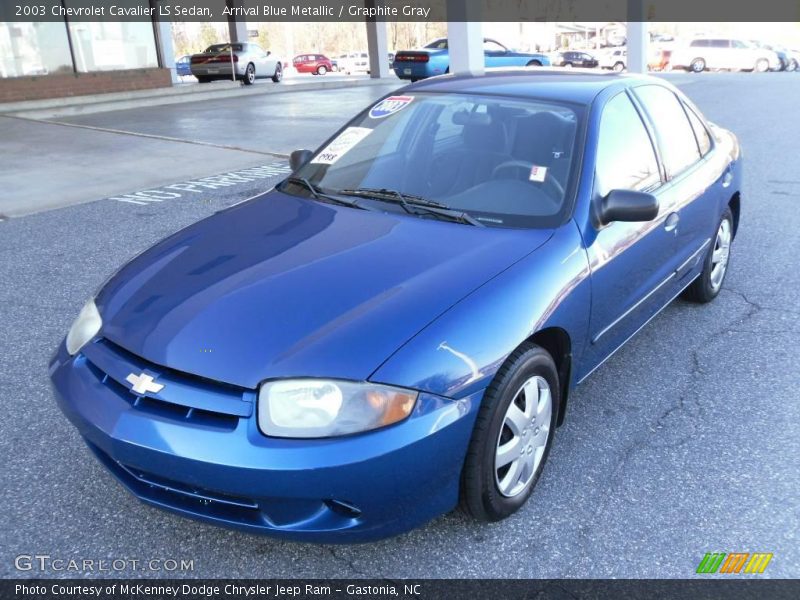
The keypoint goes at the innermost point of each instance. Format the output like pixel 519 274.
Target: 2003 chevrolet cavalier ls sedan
pixel 397 326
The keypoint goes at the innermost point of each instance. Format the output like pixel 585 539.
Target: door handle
pixel 671 223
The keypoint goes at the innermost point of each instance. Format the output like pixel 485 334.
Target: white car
pixel 722 53
pixel 354 62
pixel 616 59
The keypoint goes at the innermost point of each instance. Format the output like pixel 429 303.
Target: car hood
pixel 283 286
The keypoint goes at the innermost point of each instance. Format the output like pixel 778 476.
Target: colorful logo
pixel 734 563
pixel 389 106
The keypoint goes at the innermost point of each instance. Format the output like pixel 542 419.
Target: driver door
pixel 631 263
pixel 495 54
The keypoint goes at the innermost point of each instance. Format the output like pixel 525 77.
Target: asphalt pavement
pixel 686 441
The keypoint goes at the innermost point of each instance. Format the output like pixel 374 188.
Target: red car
pixel 316 64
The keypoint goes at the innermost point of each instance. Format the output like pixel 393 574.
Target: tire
pixel 618 67
pixel 567 65
pixel 707 287
pixel 488 492
pixel 762 65
pixel 534 63
pixel 249 77
pixel 698 65
pixel 321 70
pixel 278 75
pixel 792 65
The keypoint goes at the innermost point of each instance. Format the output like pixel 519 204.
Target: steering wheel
pixel 527 166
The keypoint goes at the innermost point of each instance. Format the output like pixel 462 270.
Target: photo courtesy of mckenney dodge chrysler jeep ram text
pixel 396 328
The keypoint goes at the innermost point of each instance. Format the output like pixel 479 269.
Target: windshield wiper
pixel 413 204
pixel 320 195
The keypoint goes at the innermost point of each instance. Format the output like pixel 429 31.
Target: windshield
pixel 505 162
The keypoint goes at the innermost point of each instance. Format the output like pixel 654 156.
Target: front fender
pixel 460 351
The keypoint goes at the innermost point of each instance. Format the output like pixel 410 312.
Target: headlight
pixel 85 327
pixel 314 408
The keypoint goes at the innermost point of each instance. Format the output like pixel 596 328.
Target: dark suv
pixel 573 58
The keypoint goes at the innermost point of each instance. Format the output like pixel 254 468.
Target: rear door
pixel 690 186
pixel 632 263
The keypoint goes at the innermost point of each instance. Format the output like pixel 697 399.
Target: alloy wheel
pixel 721 254
pixel 523 437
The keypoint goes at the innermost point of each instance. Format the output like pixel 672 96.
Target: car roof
pixel 576 85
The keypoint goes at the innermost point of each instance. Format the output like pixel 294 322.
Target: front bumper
pixel 224 471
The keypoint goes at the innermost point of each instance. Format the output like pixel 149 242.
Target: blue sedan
pixel 434 59
pixel 398 326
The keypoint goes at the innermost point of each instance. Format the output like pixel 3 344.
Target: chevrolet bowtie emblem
pixel 143 383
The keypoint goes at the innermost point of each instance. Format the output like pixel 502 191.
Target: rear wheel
pixel 792 65
pixel 249 74
pixel 534 63
pixel 698 65
pixel 619 67
pixel 278 75
pixel 707 286
pixel 321 70
pixel 203 79
pixel 567 65
pixel 512 436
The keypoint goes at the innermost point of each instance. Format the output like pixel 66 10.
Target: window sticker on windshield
pixel 537 173
pixel 341 145
pixel 389 106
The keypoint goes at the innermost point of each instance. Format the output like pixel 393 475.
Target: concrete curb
pixel 82 105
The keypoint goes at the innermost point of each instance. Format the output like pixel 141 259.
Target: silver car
pixel 246 61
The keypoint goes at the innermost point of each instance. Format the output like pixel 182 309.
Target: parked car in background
pixel 700 54
pixel 183 65
pixel 316 64
pixel 574 58
pixel 434 59
pixel 783 63
pixel 616 59
pixel 354 62
pixel 243 60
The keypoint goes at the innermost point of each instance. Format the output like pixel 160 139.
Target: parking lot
pixel 684 442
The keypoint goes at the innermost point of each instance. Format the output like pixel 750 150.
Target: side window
pixel 699 44
pixel 674 132
pixel 492 46
pixel 626 159
pixel 700 131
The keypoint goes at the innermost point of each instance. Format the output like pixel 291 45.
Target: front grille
pixel 184 396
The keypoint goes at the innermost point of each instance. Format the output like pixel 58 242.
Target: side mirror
pixel 627 205
pixel 298 158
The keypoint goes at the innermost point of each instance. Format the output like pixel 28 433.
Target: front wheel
pixel 321 70
pixel 512 436
pixel 708 285
pixel 762 65
pixel 278 75
pixel 792 65
pixel 534 63
pixel 619 67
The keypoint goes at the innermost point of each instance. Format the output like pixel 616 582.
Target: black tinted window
pixel 625 156
pixel 675 136
pixel 699 44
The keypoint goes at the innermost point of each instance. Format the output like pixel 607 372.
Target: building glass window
pixel 101 46
pixel 28 49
